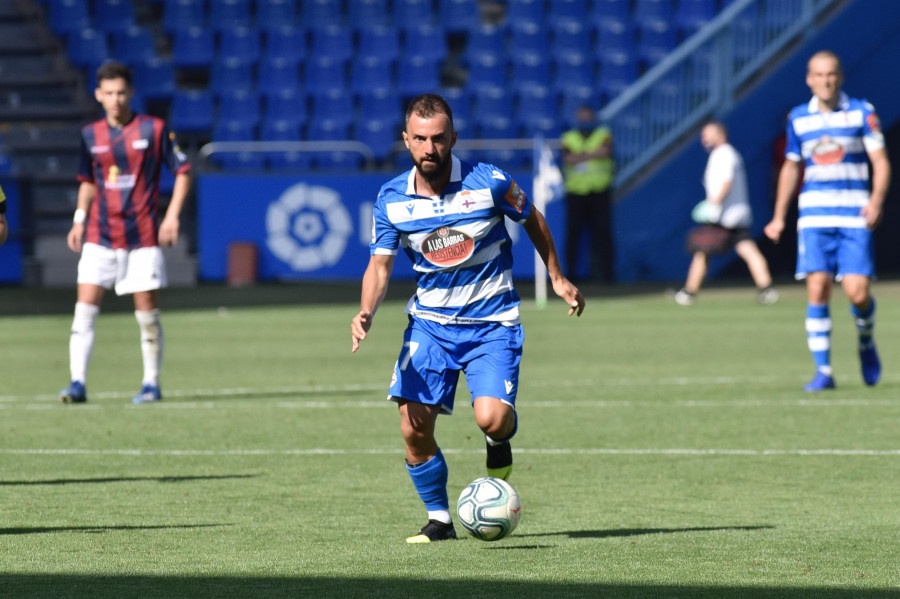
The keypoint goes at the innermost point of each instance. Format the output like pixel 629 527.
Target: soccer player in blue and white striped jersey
pixel 835 137
pixel 448 216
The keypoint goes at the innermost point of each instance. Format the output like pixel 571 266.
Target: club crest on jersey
pixel 466 205
pixel 116 180
pixel 515 197
pixel 827 151
pixel 447 247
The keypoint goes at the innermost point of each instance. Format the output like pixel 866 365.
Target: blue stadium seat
pixel 536 112
pixel 286 41
pixel 183 14
pixel 383 103
pixel 531 11
pixel 369 74
pixel 499 127
pixel 363 14
pixel 459 16
pixel 425 41
pixel 277 74
pixel 285 131
pixel 574 100
pixel 321 13
pixel 667 103
pixel 778 15
pixel 227 130
pixel 487 69
pixel 273 14
pixel 192 111
pixel 614 37
pixel 649 12
pixel 694 14
pixel 230 75
pixel 412 13
pixel 529 37
pixel 612 11
pixel 529 69
pixel 486 40
pixel 239 42
pixel 569 11
pixel 228 14
pixel 237 131
pixel 380 135
pixel 155 78
pixel 87 48
pixel 240 105
pixel 418 76
pixel 113 15
pixel 379 41
pixel 333 105
pixel 193 48
pixel 134 44
pixel 333 41
pixel 492 101
pixel 68 16
pixel 460 100
pixel 286 105
pixel 324 73
pixel 571 37
pixel 655 42
pixel 574 71
pixel 617 71
pixel 325 130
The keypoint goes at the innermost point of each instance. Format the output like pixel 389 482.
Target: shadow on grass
pixel 634 532
pixel 120 479
pixel 33 530
pixel 147 587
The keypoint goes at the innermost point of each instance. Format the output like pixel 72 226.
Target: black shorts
pixel 715 239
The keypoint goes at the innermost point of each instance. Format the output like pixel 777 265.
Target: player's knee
pixel 496 424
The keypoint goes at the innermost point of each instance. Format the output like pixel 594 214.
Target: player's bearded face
pixel 429 141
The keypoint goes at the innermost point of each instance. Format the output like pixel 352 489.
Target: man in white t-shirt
pixel 725 182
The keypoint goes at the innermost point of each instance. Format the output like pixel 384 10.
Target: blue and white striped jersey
pixel 457 242
pixel 833 147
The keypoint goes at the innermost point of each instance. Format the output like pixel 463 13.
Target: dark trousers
pixel 590 216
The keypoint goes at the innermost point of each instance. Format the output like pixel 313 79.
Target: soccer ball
pixel 489 508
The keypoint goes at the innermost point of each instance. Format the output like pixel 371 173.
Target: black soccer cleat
pixel 434 531
pixel 499 460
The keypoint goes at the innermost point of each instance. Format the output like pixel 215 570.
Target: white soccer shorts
pixel 140 269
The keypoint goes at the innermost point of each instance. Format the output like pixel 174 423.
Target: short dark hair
pixel 113 70
pixel 428 105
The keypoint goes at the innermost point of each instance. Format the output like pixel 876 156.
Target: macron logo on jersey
pixel 509 386
pixel 498 175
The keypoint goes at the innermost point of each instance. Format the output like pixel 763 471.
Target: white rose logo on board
pixel 308 227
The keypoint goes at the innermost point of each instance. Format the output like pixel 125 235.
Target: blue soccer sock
pixel 865 322
pixel 430 480
pixel 818 336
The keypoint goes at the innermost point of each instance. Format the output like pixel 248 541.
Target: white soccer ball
pixel 489 508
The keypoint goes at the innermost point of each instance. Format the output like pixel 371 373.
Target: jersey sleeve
pixel 85 164
pixel 873 136
pixel 509 198
pixel 385 236
pixel 172 155
pixel 792 150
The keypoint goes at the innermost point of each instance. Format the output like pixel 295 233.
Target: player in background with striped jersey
pixel 117 227
pixel 448 216
pixel 835 137
pixel 4 227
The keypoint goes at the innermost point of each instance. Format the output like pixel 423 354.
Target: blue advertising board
pixel 11 251
pixel 314 227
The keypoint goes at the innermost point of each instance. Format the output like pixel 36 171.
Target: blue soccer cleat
pixel 74 393
pixel 871 365
pixel 820 382
pixel 149 394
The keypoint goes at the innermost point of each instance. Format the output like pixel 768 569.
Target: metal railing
pixel 702 77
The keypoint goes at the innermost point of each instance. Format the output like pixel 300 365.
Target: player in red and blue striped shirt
pixel 117 226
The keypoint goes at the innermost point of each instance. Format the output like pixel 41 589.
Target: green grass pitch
pixel 663 451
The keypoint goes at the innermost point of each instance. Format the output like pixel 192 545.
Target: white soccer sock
pixel 151 344
pixel 440 516
pixel 81 341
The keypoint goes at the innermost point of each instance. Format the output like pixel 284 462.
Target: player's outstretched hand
pixel 359 328
pixel 774 229
pixel 572 296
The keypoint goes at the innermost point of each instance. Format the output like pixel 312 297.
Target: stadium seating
pixel 571 38
pixel 324 73
pixel 529 69
pixel 412 13
pixel 487 69
pixel 155 78
pixel 425 41
pixel 522 11
pixel 378 134
pixel 694 14
pixel 228 14
pixel 68 16
pixel 651 12
pixel 321 13
pixel 486 40
pixel 231 74
pixel 285 131
pixel 612 11
pixel 325 130
pixel 363 14
pixel 370 74
pixel 379 41
pixel 382 103
pixel 333 105
pixel 572 11
pixel 183 14
pixel 459 16
pixel 133 44
pixel 192 112
pixel 240 42
pixel 277 74
pixel 656 40
pixel 273 14
pixel 288 105
pixel 492 101
pixel 239 106
pixel 574 71
pixel 87 48
pixel 333 41
pixel 113 15
pixel 193 48
pixel 286 41
pixel 418 76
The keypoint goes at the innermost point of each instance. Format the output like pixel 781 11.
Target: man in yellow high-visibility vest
pixel 587 153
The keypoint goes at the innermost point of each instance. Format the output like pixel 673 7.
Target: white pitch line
pixel 393 451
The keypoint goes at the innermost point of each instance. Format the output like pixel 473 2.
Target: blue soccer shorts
pixel 433 355
pixel 839 251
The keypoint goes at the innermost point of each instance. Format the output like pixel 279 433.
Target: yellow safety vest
pixel 592 175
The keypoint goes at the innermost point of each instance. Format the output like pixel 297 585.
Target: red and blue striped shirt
pixel 124 163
